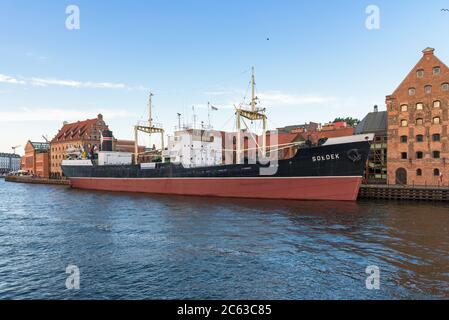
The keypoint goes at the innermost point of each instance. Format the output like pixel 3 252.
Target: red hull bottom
pixel 319 188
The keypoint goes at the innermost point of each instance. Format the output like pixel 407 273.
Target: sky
pixel 314 60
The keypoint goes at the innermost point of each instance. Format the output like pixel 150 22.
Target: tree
pixel 349 120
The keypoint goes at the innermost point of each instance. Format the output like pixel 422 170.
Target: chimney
pixel 428 51
pixel 376 108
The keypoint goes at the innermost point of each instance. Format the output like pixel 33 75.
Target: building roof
pixel 75 130
pixel 372 123
pixel 9 155
pixel 40 146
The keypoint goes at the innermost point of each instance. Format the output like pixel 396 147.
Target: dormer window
pixel 436 71
pixel 420 73
pixel 419 106
pixel 411 91
pixel 428 89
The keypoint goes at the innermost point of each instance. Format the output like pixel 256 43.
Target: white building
pixel 9 162
pixel 195 148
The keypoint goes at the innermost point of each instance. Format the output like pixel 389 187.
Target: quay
pixel 36 180
pixel 397 192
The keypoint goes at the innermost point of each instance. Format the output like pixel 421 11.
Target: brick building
pixel 418 147
pixel 36 160
pixel 74 135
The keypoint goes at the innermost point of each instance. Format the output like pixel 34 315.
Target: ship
pixel 331 169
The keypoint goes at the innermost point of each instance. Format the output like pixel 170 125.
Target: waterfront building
pixel 9 162
pixel 82 134
pixel 418 143
pixel 36 159
pixel 376 167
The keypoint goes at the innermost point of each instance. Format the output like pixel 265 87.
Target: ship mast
pixel 254 114
pixel 150 129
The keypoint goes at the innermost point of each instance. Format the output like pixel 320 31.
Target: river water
pixel 130 246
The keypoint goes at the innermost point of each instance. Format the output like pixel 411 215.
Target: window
pixel 419 155
pixel 420 73
pixel 404 107
pixel 445 86
pixel 436 172
pixel 404 123
pixel 403 139
pixel 436 154
pixel 419 138
pixel 419 172
pixel 436 137
pixel 436 120
pixel 428 89
pixel 419 121
pixel 404 155
pixel 419 106
pixel 436 70
pixel 411 91
pixel 436 104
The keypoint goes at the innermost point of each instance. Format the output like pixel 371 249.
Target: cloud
pixel 76 84
pixel 45 82
pixel 277 98
pixel 10 80
pixel 46 114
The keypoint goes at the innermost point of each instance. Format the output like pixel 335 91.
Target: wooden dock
pixel 35 180
pixel 387 192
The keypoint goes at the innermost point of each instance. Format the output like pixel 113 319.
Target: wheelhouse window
pixel 419 155
pixel 436 104
pixel 419 138
pixel 404 107
pixel 428 89
pixel 436 137
pixel 404 123
pixel 419 106
pixel 404 139
pixel 436 120
pixel 419 121
pixel 436 154
pixel 411 91
pixel 404 155
pixel 419 172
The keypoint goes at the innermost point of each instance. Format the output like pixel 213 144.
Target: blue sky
pixel 319 62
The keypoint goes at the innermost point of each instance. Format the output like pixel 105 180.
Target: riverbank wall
pixel 387 192
pixel 35 180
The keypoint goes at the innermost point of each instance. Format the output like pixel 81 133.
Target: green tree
pixel 349 120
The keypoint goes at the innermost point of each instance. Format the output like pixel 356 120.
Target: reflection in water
pixel 157 247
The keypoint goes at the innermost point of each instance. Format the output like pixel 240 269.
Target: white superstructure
pixel 195 148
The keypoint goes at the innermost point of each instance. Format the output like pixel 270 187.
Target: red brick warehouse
pixel 418 143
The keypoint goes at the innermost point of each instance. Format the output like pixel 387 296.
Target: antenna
pixel 150 105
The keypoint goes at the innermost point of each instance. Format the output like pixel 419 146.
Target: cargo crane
pixel 14 149
pixel 254 114
pixel 150 129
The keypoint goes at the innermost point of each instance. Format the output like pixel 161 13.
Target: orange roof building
pixel 74 135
